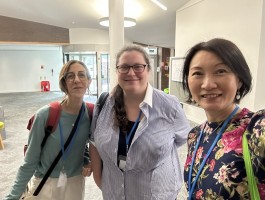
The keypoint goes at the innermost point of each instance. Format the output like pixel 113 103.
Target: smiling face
pixel 76 81
pixel 133 82
pixel 212 84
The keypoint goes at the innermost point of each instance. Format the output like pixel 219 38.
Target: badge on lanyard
pixel 62 181
pixel 122 162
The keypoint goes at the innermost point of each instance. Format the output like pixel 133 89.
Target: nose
pixel 130 71
pixel 208 83
pixel 76 78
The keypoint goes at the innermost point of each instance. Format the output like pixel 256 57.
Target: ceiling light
pixel 128 22
pixel 159 4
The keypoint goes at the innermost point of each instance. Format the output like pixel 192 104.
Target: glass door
pixel 98 66
pixel 90 61
pixel 105 82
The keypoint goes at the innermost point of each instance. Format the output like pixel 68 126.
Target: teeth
pixel 210 95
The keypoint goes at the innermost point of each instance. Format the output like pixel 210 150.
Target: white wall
pixel 90 36
pixel 237 20
pixel 260 91
pixel 20 67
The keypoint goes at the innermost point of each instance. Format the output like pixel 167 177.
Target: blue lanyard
pixel 128 136
pixel 65 152
pixel 191 189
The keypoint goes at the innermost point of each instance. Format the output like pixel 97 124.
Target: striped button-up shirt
pixel 152 168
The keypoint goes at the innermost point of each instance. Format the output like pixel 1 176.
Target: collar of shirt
pixel 148 99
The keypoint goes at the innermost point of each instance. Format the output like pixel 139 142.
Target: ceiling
pixel 154 27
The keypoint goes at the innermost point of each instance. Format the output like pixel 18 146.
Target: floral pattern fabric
pixel 224 175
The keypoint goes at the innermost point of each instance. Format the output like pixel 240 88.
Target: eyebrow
pixel 77 72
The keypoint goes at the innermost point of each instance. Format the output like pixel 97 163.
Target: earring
pixel 238 96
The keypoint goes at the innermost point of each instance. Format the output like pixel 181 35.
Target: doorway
pixel 98 66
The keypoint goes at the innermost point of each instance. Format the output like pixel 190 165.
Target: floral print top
pixel 224 175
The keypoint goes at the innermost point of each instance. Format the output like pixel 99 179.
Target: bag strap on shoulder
pixel 252 183
pixel 52 120
pixel 54 116
pixel 90 107
pixel 101 100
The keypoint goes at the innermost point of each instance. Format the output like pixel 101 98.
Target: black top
pixel 122 139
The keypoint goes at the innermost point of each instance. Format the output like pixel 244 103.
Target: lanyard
pixel 191 189
pixel 65 152
pixel 128 136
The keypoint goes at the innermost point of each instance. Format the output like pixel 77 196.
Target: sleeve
pixel 32 157
pixel 257 148
pixel 181 124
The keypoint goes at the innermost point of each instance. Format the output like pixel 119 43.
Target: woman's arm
pixel 182 125
pixel 32 156
pixel 96 164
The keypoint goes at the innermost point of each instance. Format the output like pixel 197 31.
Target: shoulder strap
pixel 252 183
pixel 90 107
pixel 101 100
pixel 30 122
pixel 54 116
pixel 52 120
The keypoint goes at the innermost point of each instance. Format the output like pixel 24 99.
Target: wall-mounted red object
pixel 45 86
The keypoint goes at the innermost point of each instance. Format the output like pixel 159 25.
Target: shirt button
pixel 122 185
pixel 115 150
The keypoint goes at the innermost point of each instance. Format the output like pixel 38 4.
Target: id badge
pixel 62 179
pixel 122 162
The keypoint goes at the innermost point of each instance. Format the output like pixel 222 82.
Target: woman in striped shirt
pixel 134 145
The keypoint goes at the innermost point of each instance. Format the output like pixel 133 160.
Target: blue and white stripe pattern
pixel 152 168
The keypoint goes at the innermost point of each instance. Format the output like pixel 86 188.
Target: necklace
pixel 207 126
pixel 218 126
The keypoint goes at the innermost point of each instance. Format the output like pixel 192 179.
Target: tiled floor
pixel 18 108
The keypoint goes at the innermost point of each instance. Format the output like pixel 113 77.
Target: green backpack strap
pixel 252 184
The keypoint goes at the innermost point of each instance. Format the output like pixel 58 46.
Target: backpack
pixel 53 119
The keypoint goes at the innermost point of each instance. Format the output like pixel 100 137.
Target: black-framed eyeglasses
pixel 137 68
pixel 70 76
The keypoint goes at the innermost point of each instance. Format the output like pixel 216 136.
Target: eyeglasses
pixel 70 76
pixel 137 68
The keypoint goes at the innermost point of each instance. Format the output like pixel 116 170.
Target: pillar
pixel 116 35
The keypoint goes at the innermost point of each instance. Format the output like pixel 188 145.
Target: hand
pixel 87 170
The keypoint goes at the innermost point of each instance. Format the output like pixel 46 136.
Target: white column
pixel 259 80
pixel 116 35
